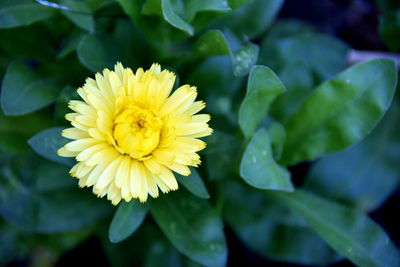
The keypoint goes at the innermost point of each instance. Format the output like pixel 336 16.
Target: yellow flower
pixel 129 133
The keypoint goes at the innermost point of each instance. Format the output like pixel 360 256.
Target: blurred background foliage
pixel 304 164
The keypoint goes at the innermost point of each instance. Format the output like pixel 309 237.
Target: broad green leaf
pixel 341 111
pixel 212 43
pixel 15 131
pixel 244 58
pixel 291 41
pixel 63 211
pixel 22 42
pixel 70 44
pixel 9 3
pixel 98 51
pixel 325 54
pixel 271 229
pixel 23 91
pixel 61 106
pixel 243 54
pixel 155 34
pixel 181 13
pixel 131 45
pixel 192 226
pixel 152 7
pixel 147 247
pixel 222 155
pixel 269 46
pixel 194 184
pixel 161 253
pixel 372 170
pixel 234 4
pixel 45 211
pixel 17 244
pixel 9 243
pixel 277 133
pixel 47 142
pixel 348 231
pixel 96 4
pixel 79 13
pixel 215 78
pixel 51 176
pixel 174 19
pixel 24 14
pixel 131 8
pixel 128 217
pixel 192 7
pixel 258 167
pixel 298 79
pixel 286 28
pixel 252 19
pixel 263 87
pixel 260 205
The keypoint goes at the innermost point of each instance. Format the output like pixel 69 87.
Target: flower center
pixel 137 130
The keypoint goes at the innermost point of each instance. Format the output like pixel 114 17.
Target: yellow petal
pixel 74 133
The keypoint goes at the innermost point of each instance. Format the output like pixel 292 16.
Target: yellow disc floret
pixel 136 131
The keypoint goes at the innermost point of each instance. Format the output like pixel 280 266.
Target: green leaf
pixel 252 19
pixel 277 133
pixel 192 7
pixel 258 167
pixel 222 155
pixel 22 42
pixel 45 177
pixel 23 91
pixel 181 13
pixel 70 44
pixel 194 184
pixel 263 87
pixel 174 19
pixel 192 226
pixel 372 170
pixel 39 209
pixel 128 217
pixel 97 4
pixel 348 231
pixel 154 33
pixel 270 52
pixel 212 43
pixel 214 76
pixel 298 79
pixel 47 142
pixel 79 13
pixel 161 253
pixel 244 58
pixel 24 14
pixel 271 229
pixel 67 94
pixel 243 55
pixel 291 41
pixel 9 243
pixel 98 51
pixel 325 54
pixel 341 111
pixel 15 131
pixel 152 7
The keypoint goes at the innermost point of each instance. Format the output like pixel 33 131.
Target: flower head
pixel 130 133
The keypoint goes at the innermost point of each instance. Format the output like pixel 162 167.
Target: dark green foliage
pixel 279 93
